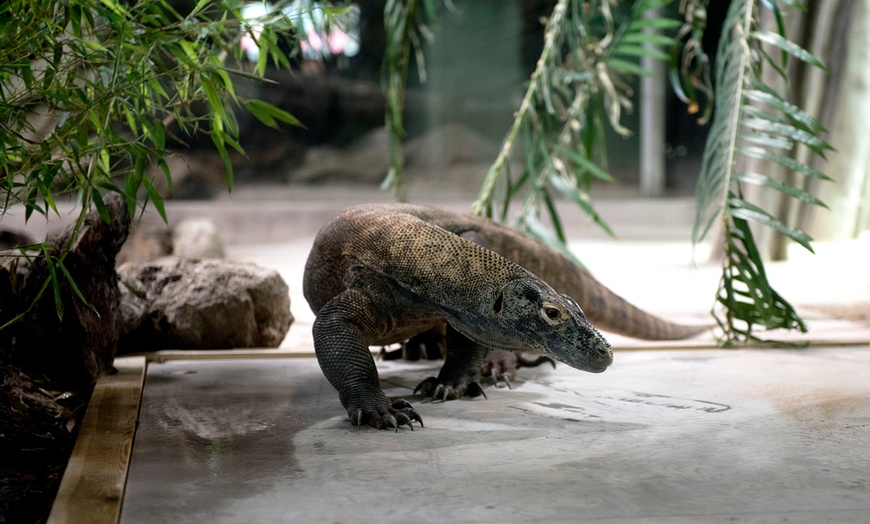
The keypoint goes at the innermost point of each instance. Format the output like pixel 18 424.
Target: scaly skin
pixel 380 274
pixel 604 309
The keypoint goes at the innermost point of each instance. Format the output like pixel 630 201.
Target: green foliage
pixel 89 88
pixel 406 26
pixel 579 84
pixel 752 121
pixel 90 91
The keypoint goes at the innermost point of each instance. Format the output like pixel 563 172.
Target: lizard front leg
pixel 460 374
pixel 342 331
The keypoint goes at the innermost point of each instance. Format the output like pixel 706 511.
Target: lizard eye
pixel 553 313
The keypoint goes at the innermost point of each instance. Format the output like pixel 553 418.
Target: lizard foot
pixel 395 414
pixel 432 387
pixel 503 365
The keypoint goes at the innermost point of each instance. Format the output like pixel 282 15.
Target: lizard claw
pixel 501 364
pixel 391 415
pixel 475 390
pixel 406 413
pixel 436 390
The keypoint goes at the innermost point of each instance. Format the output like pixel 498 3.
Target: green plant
pixel 753 121
pixel 581 82
pixel 90 91
pixel 405 22
pixel 579 85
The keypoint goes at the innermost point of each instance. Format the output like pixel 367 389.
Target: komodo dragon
pixel 382 273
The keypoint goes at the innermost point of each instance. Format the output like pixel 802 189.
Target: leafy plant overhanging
pixel 90 91
pixel 751 120
pixel 405 22
pixel 579 83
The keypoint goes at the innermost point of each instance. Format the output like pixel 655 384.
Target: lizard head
pixel 531 311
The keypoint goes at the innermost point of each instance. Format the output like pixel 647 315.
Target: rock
pixel 202 304
pixel 363 161
pixel 448 145
pixel 10 238
pixel 196 238
pixel 78 345
pixel 150 238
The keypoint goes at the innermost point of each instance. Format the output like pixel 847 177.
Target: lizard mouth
pixel 597 368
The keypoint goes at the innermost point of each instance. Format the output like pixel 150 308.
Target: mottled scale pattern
pixel 379 274
pixel 604 308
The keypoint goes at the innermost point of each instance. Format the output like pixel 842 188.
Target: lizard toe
pixel 475 390
pixel 501 365
pixel 427 387
pixel 437 390
pixel 393 415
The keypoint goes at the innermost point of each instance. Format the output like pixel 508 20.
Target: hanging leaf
pixel 789 47
pixel 752 121
pixel 580 83
pixel 270 115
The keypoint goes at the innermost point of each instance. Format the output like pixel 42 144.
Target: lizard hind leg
pixel 460 375
pixel 503 365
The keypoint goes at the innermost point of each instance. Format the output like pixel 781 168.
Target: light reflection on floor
pixel 685 436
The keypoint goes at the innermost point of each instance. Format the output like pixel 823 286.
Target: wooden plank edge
pixel 92 487
pixel 619 346
pixel 223 354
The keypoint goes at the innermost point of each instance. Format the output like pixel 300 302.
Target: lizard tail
pixel 610 312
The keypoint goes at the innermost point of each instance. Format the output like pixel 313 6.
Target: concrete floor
pixel 663 436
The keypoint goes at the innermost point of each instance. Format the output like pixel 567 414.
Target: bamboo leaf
pixel 55 283
pixel 581 199
pixel 269 114
pixel 554 217
pixel 101 206
pixel 154 197
pixel 638 24
pixel 75 288
pixel 161 163
pixel 648 38
pixel 640 51
pixel 533 226
pixel 587 165
pixel 225 158
pixel 624 66
pixel 214 99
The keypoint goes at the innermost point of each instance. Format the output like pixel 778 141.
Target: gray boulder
pixel 201 304
pixel 196 238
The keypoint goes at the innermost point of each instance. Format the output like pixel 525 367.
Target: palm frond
pixel 745 296
pixel 753 121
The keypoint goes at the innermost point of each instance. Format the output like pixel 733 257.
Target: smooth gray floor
pixel 663 436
